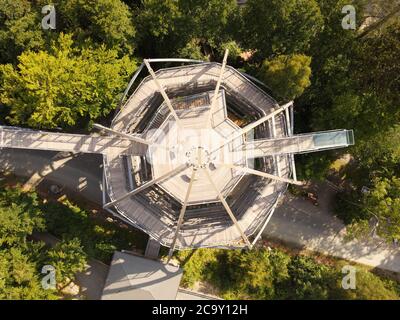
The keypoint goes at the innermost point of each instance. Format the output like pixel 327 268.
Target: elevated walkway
pixel 56 141
pixel 301 143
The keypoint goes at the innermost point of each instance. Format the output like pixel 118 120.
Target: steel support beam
pixel 163 93
pixel 264 174
pixel 253 125
pixel 290 132
pixel 122 134
pixel 214 100
pixel 182 214
pixel 227 208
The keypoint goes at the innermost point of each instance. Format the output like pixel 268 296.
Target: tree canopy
pixel 167 27
pixel 287 76
pixel 280 26
pixel 21 259
pixel 64 87
pixel 74 75
pixel 107 22
pixel 383 201
pixel 68 258
pixel 272 273
pixel 19 29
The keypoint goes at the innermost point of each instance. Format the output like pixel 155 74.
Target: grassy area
pixel 277 273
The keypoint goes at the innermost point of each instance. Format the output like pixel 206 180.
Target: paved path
pixel 300 223
pixel 296 221
pixel 82 173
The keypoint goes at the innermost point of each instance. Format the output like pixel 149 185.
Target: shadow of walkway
pixel 81 173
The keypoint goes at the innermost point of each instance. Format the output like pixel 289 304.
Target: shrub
pixel 275 274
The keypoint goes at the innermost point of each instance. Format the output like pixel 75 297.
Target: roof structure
pixel 196 156
pixel 135 278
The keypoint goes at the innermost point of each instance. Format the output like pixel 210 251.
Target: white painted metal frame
pixel 253 125
pixel 227 208
pixel 264 174
pixel 182 214
pixel 214 100
pixel 289 119
pixel 122 134
pixel 163 93
pixel 291 156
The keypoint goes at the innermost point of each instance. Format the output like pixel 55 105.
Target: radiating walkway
pixel 301 143
pixel 65 142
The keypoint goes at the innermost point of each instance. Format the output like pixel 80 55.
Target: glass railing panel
pixel 350 137
pixel 330 139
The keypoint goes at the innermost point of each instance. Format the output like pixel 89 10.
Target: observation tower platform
pixel 197 155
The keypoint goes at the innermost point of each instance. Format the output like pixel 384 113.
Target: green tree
pixel 377 69
pixel 192 50
pixel 350 86
pixel 314 166
pixel 106 22
pixel 196 263
pixel 333 53
pixel 172 27
pixel 209 21
pixel 378 156
pixel 20 29
pixel 287 76
pixel 19 217
pixel 280 26
pixel 308 279
pixel 239 274
pixel 20 258
pixel 348 90
pixel 64 87
pixel 359 91
pixel 68 258
pixel 159 28
pixel 257 273
pixel 234 51
pixel 19 277
pixel 99 239
pixel 384 202
pixel 16 224
pixel 378 211
pixel 349 208
pixel 263 273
